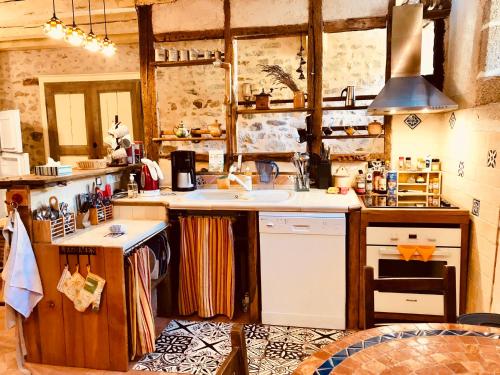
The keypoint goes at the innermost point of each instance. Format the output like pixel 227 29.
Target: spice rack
pixel 48 230
pixel 100 214
pixel 411 192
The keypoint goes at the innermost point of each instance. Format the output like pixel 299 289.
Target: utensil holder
pixel 324 174
pixel 101 214
pixel 302 182
pixel 48 230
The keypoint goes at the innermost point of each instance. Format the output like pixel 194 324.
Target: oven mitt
pixel 65 276
pixel 426 251
pixel 73 285
pixel 407 251
pixel 90 293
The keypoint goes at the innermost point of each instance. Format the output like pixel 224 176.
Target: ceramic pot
pixel 299 99
pixel 215 129
pixel 375 128
pixel 342 178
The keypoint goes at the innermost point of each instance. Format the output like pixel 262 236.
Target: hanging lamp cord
pixel 90 19
pixel 105 22
pixel 54 8
pixel 73 9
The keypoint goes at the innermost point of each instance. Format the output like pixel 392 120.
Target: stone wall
pixel 18 90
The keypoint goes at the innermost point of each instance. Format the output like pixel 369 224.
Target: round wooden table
pixel 429 348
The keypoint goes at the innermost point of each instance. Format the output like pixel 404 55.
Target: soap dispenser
pixel 247 178
pixel 132 188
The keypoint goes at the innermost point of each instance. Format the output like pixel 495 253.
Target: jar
pixel 435 185
pixel 408 163
pixel 401 163
pixel 435 165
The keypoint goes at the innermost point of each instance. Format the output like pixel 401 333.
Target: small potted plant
pixel 281 77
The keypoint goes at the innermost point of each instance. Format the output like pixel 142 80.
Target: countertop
pixel 315 200
pixel 95 235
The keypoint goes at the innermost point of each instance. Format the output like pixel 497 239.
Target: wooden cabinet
pixel 57 334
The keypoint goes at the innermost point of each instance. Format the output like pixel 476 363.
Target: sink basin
pixel 241 195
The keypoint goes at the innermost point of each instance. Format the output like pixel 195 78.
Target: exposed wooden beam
pixel 267 31
pixel 316 19
pixel 231 85
pixel 148 80
pixel 354 24
pixel 178 36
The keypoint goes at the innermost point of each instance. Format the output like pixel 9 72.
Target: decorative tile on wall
pixel 492 159
pixel 461 168
pixel 412 121
pixel 452 120
pixel 476 205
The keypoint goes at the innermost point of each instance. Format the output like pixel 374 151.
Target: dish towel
pixel 22 284
pixel 426 252
pixel 207 266
pixel 407 251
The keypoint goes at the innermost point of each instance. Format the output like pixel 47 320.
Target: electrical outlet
pixel 98 181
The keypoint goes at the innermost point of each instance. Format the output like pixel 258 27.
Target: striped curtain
pixel 206 273
pixel 142 326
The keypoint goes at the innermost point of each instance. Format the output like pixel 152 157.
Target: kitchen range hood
pixel 407 91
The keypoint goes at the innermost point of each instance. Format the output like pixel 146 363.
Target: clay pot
pixel 215 129
pixel 299 99
pixel 374 128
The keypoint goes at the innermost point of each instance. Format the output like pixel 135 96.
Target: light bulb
pixel 75 36
pixel 108 47
pixel 93 43
pixel 54 28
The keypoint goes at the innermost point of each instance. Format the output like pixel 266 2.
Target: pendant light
pixel 92 42
pixel 108 47
pixel 74 35
pixel 54 28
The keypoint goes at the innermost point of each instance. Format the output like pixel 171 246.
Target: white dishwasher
pixel 303 269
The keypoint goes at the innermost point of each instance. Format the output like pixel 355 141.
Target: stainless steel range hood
pixel 407 91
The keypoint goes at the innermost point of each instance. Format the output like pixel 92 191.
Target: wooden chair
pixel 445 286
pixel 236 363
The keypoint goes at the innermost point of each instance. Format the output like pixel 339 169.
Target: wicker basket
pixel 91 164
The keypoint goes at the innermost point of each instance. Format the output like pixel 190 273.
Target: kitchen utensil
pixel 268 170
pixel 350 96
pixel 54 208
pixel 262 100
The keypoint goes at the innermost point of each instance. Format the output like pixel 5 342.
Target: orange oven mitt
pixel 426 251
pixel 407 251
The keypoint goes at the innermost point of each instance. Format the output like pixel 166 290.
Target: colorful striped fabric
pixel 142 335
pixel 206 271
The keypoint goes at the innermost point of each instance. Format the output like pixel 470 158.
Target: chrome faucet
pixel 233 177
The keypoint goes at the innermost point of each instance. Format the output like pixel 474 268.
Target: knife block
pixel 324 174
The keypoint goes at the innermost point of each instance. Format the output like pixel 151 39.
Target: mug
pixel 207 55
pixel 183 55
pixel 193 54
pixel 173 54
pixel 350 96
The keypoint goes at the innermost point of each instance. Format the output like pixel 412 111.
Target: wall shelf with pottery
pixel 351 136
pixel 167 64
pixel 273 110
pixel 190 139
pixel 345 108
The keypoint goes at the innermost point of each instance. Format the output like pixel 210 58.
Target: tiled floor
pixel 200 347
pixel 271 349
pixel 410 349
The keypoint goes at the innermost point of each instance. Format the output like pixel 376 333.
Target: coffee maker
pixel 183 170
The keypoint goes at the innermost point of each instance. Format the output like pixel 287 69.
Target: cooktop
pixel 387 201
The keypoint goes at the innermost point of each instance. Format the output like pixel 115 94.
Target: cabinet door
pixel 11 139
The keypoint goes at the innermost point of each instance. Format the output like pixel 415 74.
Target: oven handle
pixel 395 252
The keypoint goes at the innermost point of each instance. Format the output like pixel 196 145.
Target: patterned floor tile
pixel 272 366
pixel 200 347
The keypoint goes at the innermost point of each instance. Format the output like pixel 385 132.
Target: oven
pixel 383 255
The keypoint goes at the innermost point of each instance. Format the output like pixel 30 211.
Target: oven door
pixel 387 262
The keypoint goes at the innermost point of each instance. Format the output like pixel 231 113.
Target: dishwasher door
pixel 303 269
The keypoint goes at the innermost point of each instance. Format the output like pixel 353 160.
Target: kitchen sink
pixel 241 195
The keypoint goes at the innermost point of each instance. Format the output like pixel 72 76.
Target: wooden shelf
pixel 273 110
pixel 351 136
pixel 344 108
pixel 166 64
pixel 191 139
pixel 412 184
pixel 415 194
